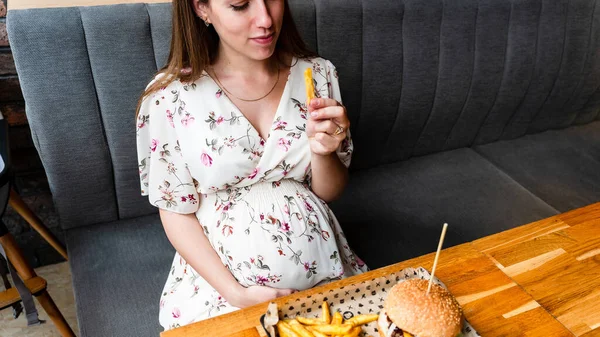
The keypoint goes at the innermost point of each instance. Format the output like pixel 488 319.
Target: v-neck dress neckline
pixel 280 103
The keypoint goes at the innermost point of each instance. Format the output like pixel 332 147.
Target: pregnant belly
pixel 274 235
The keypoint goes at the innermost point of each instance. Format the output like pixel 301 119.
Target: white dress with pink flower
pixel 198 154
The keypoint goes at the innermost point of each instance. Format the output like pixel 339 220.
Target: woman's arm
pixel 329 176
pixel 326 129
pixel 187 236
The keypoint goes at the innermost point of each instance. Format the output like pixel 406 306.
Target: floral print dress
pixel 197 153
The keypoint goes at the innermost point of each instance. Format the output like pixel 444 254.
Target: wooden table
pixel 540 279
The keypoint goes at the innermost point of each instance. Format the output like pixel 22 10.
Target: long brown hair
pixel 194 46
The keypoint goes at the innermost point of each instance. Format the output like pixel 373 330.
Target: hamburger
pixel 409 311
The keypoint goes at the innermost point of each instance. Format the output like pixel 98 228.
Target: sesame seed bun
pixel 436 314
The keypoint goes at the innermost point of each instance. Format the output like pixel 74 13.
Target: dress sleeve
pixel 346 148
pixel 164 175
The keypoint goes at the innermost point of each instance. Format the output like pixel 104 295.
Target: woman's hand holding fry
pixel 327 125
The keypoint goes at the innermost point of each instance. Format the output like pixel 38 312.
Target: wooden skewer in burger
pixel 418 308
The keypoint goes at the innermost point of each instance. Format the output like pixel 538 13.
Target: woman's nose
pixel 263 18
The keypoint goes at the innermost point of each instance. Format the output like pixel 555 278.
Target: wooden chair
pixel 36 285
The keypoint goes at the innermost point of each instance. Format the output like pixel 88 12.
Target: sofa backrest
pixel 417 77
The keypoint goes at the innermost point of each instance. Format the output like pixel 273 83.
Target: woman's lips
pixel 264 40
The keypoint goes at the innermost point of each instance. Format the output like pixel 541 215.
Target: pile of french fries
pixel 326 325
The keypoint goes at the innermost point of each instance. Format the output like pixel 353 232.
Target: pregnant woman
pixel 240 163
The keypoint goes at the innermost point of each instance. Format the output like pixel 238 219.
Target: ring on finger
pixel 338 131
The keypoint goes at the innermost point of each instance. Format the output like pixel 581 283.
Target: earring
pixel 206 23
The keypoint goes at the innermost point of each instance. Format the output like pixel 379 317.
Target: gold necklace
pixel 246 100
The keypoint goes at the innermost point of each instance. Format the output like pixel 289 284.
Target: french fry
pixel 315 332
pixel 330 329
pixel 300 329
pixel 310 87
pixel 354 332
pixel 328 325
pixel 285 330
pixel 326 316
pixel 362 319
pixel 406 334
pixel 309 321
pixel 281 331
pixel 337 318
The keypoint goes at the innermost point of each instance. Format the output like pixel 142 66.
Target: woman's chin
pixel 261 53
